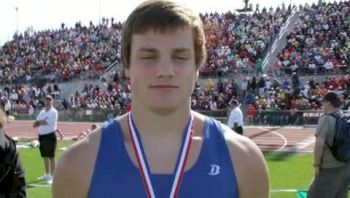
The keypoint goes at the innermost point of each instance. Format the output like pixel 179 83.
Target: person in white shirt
pixel 46 122
pixel 7 107
pixel 235 121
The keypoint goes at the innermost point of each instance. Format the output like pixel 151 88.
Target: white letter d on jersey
pixel 214 170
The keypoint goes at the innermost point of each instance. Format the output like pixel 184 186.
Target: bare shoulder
pixel 249 163
pixel 199 120
pixel 74 170
pixel 240 143
pixel 199 116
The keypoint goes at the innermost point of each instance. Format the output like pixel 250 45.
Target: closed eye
pixel 181 58
pixel 148 57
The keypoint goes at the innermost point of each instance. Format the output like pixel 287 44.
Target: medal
pixel 144 167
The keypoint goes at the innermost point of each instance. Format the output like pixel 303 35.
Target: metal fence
pixel 267 117
pixel 72 115
pixel 283 118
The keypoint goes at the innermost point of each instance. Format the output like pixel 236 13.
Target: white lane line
pixel 285 141
pixel 284 190
pixel 39 185
pixel 303 144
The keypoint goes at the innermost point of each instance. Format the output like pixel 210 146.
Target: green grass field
pixel 286 172
pixel 293 171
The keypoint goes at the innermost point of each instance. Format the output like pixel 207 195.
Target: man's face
pixel 162 70
pixel 48 102
pixel 326 105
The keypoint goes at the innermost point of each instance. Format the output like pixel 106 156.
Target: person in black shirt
pixel 12 179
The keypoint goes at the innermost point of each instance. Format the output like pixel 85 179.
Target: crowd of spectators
pixel 29 100
pixel 234 42
pixel 264 99
pixel 214 96
pixel 115 98
pixel 320 41
pixel 60 55
pixel 237 43
pixel 293 97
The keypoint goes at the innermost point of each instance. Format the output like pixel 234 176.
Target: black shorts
pixel 239 130
pixel 48 144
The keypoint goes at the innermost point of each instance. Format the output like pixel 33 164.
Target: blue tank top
pixel 115 175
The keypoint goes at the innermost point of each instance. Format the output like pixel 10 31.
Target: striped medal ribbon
pixel 144 167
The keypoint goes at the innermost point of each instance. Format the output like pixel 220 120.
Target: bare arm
pixel 74 170
pixel 250 166
pixel 318 151
pixel 59 133
pixel 42 122
pixel 67 181
pixel 321 133
pixel 37 123
pixel 46 121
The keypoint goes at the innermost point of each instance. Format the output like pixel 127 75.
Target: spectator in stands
pixel 259 66
pixel 305 53
pixel 251 113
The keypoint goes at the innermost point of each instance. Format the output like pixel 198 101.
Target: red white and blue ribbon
pixel 144 167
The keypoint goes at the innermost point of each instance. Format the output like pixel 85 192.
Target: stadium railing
pixel 285 118
pixel 320 70
pixel 267 117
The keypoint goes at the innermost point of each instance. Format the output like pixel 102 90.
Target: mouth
pixel 163 86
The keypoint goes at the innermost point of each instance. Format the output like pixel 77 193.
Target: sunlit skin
pixel 162 70
pixel 162 73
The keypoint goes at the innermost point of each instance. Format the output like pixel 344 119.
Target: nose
pixel 165 69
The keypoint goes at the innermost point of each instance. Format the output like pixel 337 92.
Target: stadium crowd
pixel 319 43
pixel 235 43
pixel 60 55
pixel 292 97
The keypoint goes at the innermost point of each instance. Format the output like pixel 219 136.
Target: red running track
pixel 295 139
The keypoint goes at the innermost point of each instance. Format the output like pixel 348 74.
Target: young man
pixel 162 148
pixel 332 177
pixel 46 122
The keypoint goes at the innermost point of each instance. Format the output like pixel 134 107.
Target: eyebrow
pixel 143 49
pixel 152 50
pixel 180 50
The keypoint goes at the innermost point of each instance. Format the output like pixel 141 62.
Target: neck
pixel 48 108
pixel 332 110
pixel 149 122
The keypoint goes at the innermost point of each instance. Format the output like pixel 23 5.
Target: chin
pixel 163 111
